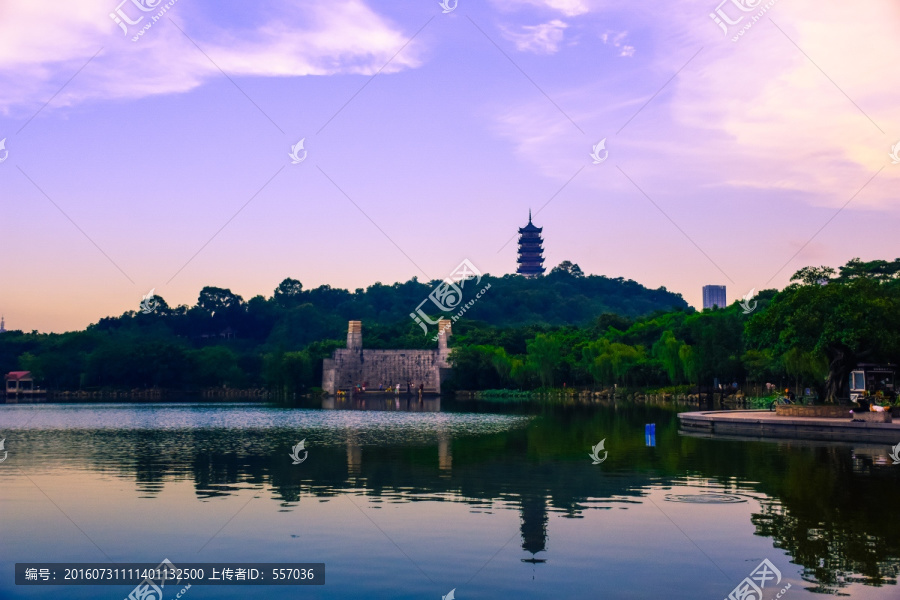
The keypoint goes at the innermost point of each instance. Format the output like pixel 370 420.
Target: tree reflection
pixel 833 555
pixel 827 506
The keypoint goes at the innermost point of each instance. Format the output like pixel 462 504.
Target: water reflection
pixel 828 506
pixel 390 402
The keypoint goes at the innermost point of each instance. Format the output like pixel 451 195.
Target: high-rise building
pixel 531 250
pixel 714 295
pixel 2 324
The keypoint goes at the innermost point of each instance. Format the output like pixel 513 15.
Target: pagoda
pixel 531 250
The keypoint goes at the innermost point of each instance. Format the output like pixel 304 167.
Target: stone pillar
pixel 444 332
pixel 442 366
pixel 354 335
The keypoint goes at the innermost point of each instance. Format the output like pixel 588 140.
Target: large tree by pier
pixel 845 319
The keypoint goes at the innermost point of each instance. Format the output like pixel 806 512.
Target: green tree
pixel 761 366
pixel 215 301
pixel 568 268
pixel 288 293
pixel 502 363
pixel 667 351
pixel 216 366
pixel 809 367
pixel 844 321
pixel 689 363
pixel 544 356
pixel 610 362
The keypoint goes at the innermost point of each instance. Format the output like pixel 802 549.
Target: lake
pixel 402 499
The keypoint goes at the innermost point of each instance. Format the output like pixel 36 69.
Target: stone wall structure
pixel 354 365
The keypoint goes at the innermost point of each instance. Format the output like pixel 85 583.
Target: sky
pixel 157 155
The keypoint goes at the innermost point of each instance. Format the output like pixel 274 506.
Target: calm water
pixel 410 501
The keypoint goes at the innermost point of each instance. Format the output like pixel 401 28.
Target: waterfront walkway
pixel 766 424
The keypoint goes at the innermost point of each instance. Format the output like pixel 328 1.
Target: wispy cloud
pixel 40 49
pixel 756 117
pixel 616 39
pixel 569 8
pixel 790 127
pixel 540 39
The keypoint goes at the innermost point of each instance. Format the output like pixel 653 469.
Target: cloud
pixel 540 39
pixel 41 49
pixel 755 118
pixel 569 8
pixel 804 121
pixel 616 40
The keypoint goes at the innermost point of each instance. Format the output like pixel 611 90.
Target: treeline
pixel 811 334
pixel 279 342
pixel 562 329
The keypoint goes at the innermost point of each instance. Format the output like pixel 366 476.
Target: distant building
pixel 2 325
pixel 531 250
pixel 20 383
pixel 353 365
pixel 714 295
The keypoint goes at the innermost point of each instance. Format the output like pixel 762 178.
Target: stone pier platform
pixel 767 424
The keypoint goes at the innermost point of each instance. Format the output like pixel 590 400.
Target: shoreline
pixel 761 424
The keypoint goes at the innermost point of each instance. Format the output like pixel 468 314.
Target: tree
pixel 288 293
pixel 567 267
pixel 881 270
pixel 689 363
pixel 814 275
pixel 610 362
pixel 761 365
pixel 667 351
pixel 502 363
pixel 846 321
pixel 215 301
pixel 215 366
pixel 544 356
pixel 473 367
pixel 805 367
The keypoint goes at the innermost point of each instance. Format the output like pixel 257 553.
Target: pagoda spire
pixel 531 250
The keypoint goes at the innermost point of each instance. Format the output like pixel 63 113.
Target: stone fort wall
pixel 354 365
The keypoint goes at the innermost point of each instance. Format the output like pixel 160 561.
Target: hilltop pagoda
pixel 531 250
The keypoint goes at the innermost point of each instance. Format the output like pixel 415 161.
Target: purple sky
pixel 726 159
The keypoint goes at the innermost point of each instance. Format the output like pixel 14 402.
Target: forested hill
pixel 293 316
pixel 230 337
pixel 521 333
